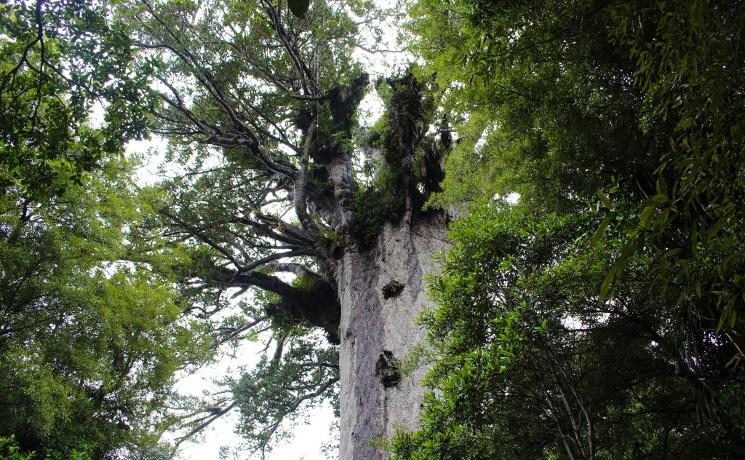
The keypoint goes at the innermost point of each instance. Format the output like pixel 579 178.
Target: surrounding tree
pixel 9 450
pixel 600 316
pixel 92 332
pixel 59 61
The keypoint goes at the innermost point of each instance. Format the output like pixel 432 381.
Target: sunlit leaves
pixel 59 60
pixel 92 330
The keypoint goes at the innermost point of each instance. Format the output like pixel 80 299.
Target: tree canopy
pixel 59 60
pixel 91 327
pixel 600 316
pixel 92 331
pixel 592 303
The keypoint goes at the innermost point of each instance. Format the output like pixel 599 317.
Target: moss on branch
pixel 410 168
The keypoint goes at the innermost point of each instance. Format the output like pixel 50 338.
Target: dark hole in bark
pixel 392 289
pixel 387 369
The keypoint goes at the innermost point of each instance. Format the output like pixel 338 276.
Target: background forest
pixel 591 305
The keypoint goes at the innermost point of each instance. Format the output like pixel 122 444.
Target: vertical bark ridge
pixel 371 324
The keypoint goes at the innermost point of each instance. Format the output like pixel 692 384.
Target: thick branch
pixel 301 184
pixel 316 303
pixel 276 256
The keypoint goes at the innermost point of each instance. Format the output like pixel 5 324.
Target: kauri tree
pixel 259 107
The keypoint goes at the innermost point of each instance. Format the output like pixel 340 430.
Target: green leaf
pixel 299 7
pixel 605 286
pixel 604 199
pixel 646 216
pixel 599 231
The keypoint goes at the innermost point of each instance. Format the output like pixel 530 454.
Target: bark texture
pixel 377 329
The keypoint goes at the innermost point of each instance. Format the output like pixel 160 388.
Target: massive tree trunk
pixel 381 294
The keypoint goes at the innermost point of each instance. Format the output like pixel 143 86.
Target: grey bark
pixel 372 324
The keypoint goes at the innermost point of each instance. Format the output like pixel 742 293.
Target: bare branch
pixel 196 232
pixel 207 421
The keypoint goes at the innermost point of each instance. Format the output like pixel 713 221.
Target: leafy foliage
pixel 601 316
pixel 406 161
pixel 9 450
pixel 57 61
pixel 374 206
pixel 535 364
pixel 93 332
pixel 269 405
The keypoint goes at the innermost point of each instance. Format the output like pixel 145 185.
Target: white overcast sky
pixel 305 445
